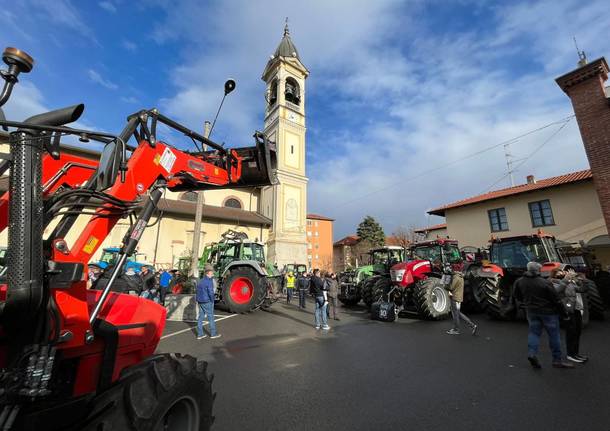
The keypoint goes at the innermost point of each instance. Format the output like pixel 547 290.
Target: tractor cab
pixel 438 251
pixel 383 258
pixel 513 253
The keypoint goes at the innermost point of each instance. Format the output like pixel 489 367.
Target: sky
pixel 404 100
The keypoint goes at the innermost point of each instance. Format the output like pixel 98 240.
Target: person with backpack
pixel 319 291
pixel 205 303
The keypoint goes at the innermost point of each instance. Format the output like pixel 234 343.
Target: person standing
pixel 570 290
pixel 333 294
pixel 290 282
pixel 454 283
pixel 303 287
pixel 543 306
pixel 165 278
pixel 205 302
pixel 149 289
pixel 319 292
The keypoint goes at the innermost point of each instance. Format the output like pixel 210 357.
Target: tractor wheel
pixel 594 301
pixel 366 290
pixel 499 302
pixel 166 392
pixel 349 300
pixel 243 290
pixel 474 296
pixel 381 288
pixel 431 299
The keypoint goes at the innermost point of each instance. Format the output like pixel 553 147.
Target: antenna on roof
pixel 582 57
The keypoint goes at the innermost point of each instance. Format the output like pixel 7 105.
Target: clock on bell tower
pixel 286 202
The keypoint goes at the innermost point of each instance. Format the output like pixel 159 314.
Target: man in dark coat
pixel 543 307
pixel 303 287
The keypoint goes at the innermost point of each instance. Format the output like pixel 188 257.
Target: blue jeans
pixel 206 308
pixel 321 318
pixel 537 322
pixel 289 292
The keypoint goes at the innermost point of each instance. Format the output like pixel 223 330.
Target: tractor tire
pixel 243 290
pixel 431 299
pixel 474 296
pixel 366 289
pixel 594 301
pixel 381 288
pixel 497 307
pixel 350 300
pixel 166 392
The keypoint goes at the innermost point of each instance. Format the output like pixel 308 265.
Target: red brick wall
pixel 586 90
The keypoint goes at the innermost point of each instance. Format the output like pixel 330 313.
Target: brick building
pixel 590 99
pixel 319 242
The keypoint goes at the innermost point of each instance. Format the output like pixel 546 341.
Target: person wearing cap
pixel 543 307
pixel 205 302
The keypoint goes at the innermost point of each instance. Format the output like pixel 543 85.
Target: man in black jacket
pixel 320 294
pixel 303 286
pixel 543 307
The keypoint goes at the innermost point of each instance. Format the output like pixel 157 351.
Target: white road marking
pixel 190 328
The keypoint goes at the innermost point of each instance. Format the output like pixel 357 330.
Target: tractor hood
pixel 405 273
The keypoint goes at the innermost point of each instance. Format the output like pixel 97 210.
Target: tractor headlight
pixel 397 275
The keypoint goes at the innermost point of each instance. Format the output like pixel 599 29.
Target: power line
pixel 443 166
pixel 531 154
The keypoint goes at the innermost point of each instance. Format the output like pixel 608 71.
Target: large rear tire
pixel 166 392
pixel 243 290
pixel 431 299
pixel 366 289
pixel 595 302
pixel 499 301
pixel 381 288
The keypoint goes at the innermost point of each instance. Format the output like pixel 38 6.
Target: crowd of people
pixel 322 286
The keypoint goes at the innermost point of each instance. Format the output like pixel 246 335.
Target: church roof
pixel 286 48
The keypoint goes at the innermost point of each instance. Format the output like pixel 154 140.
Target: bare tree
pixel 404 236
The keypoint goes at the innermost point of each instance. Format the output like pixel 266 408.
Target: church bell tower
pixel 286 202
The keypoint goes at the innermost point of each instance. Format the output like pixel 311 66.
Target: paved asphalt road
pixel 274 371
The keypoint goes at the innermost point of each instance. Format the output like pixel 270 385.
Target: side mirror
pixel 229 86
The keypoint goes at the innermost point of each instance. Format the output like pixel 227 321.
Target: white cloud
pixel 63 13
pixel 94 76
pixel 415 97
pixel 108 6
pixel 130 100
pixel 129 45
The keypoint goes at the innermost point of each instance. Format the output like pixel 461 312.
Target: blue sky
pixel 396 89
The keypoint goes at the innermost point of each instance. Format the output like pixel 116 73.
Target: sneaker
pixel 534 362
pixel 199 337
pixel 326 327
pixel 583 358
pixel 474 329
pixel 453 331
pixel 317 326
pixel 575 359
pixel 216 336
pixel 562 364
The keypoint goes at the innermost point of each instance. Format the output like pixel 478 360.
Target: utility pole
pixel 198 215
pixel 509 164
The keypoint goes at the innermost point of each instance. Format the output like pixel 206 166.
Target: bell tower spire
pixel 286 202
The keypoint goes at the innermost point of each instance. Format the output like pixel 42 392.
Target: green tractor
pixel 356 284
pixel 239 267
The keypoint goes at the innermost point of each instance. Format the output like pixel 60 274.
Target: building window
pixel 497 220
pixel 189 196
pixel 308 233
pixel 309 246
pixel 292 92
pixel 232 203
pixel 317 233
pixel 308 222
pixel 541 213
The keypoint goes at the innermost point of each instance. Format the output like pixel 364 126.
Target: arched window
pixel 272 96
pixel 292 92
pixel 189 196
pixel 232 203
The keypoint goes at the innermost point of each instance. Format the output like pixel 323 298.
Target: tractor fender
pixel 486 271
pixel 249 263
pixel 548 267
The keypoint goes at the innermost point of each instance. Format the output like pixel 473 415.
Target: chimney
pixel 585 88
pixel 531 179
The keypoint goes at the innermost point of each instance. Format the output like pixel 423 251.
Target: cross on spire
pixel 286 30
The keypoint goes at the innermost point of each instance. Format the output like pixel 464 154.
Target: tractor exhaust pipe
pixel 25 259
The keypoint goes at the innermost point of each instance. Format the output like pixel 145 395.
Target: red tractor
pixel 73 358
pixel 508 261
pixel 416 284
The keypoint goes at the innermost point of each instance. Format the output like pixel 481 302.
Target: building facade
pixel 319 242
pixel 565 206
pixel 431 232
pixel 286 202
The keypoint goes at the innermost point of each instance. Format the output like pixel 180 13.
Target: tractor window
pixel 109 257
pixel 452 253
pixel 254 252
pixel 428 253
pixel 231 250
pixel 379 258
pixel 516 254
